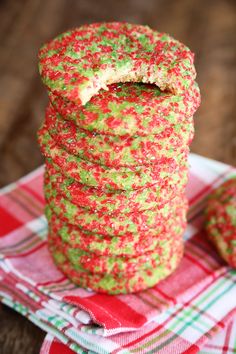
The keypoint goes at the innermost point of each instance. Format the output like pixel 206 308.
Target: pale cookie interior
pixel 126 74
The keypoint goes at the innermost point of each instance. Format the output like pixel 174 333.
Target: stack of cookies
pixel 116 156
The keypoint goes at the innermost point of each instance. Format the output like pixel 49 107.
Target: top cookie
pixel 78 63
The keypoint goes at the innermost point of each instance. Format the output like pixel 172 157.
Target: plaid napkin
pixel 178 315
pixel 224 342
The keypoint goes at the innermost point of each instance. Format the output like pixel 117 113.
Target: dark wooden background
pixel 208 27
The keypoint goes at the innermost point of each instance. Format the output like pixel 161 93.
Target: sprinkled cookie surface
pixel 133 109
pixel 115 202
pixel 117 284
pixel 221 220
pixel 128 246
pixel 78 63
pixel 116 151
pixel 96 175
pixel 105 224
pixel 92 263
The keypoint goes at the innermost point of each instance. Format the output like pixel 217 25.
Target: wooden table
pixel 208 27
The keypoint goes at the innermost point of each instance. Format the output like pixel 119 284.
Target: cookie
pixel 92 263
pixel 78 63
pixel 105 224
pixel 130 109
pixel 118 151
pixel 118 284
pixel 129 246
pixel 104 177
pixel 115 202
pixel 221 220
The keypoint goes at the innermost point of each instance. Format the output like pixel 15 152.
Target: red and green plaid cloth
pixel 183 314
pixel 223 342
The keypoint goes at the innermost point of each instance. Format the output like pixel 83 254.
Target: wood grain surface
pixel 208 27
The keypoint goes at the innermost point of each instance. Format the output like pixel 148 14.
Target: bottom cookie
pixel 121 283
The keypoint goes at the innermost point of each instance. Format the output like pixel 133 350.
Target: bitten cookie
pixel 78 63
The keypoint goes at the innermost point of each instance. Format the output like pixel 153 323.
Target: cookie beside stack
pixel 116 171
pixel 220 223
